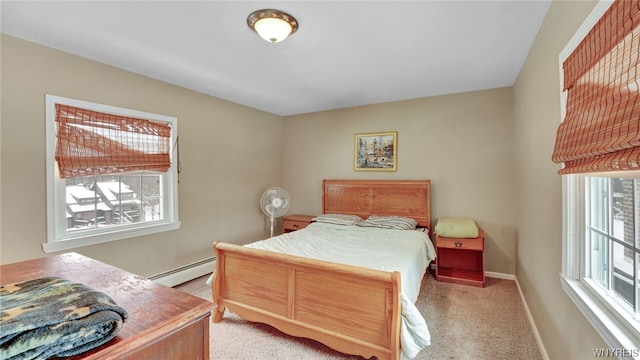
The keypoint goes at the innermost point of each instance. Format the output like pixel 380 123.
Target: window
pixel 611 235
pixel 598 143
pixel 111 173
pixel 601 245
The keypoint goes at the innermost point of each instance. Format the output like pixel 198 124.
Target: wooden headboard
pixel 409 198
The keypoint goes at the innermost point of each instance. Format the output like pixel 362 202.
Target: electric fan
pixel 274 203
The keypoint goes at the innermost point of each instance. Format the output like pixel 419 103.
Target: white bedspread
pixel 409 252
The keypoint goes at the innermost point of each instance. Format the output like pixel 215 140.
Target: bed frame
pixel 350 309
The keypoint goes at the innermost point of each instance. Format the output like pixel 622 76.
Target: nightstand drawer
pixel 293 225
pixel 454 243
pixel 295 222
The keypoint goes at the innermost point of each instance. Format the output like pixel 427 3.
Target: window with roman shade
pixel 601 128
pixel 112 173
pixel 598 143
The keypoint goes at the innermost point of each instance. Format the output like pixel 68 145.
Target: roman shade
pixel 601 128
pixel 92 143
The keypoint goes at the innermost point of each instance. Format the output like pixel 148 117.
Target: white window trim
pixel 56 191
pixel 609 322
pixel 607 319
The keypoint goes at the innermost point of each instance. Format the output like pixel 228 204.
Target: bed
pixel 353 309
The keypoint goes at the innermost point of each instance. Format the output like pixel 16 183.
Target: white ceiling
pixel 345 53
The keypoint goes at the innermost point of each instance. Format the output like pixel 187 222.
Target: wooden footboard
pixel 350 309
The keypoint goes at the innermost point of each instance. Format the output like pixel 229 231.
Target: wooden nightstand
pixel 460 260
pixel 296 222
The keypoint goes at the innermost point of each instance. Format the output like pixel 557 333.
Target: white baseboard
pixel 534 328
pixel 497 275
pixel 185 273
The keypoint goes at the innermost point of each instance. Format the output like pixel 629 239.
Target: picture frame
pixel 376 151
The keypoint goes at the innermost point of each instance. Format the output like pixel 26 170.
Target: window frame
pixel 605 316
pixel 57 237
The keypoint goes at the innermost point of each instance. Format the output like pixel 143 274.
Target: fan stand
pixel 271 232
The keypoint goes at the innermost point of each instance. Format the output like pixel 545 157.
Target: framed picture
pixel 376 151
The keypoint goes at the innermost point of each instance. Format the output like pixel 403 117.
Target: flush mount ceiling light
pixel 272 25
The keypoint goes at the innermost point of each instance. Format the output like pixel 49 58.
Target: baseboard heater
pixel 185 273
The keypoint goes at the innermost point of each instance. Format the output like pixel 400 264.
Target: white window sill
pixel 83 241
pixel 616 332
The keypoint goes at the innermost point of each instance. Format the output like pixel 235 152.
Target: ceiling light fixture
pixel 272 25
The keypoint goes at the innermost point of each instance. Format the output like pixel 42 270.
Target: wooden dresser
pixel 461 260
pixel 163 323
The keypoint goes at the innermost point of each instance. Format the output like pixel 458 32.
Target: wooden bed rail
pixel 350 309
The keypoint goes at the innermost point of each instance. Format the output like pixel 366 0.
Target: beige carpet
pixel 465 323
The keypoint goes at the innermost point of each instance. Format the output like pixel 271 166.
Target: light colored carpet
pixel 465 323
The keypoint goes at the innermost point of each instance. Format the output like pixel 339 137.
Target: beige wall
pixel 564 330
pixel 487 154
pixel 230 154
pixel 461 142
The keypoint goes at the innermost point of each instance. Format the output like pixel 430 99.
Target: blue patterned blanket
pixel 53 317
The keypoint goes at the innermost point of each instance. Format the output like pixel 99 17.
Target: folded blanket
pixel 457 228
pixel 53 317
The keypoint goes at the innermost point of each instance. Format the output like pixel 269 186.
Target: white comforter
pixel 409 252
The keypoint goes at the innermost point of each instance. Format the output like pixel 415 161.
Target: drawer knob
pixel 458 243
pixel 295 226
